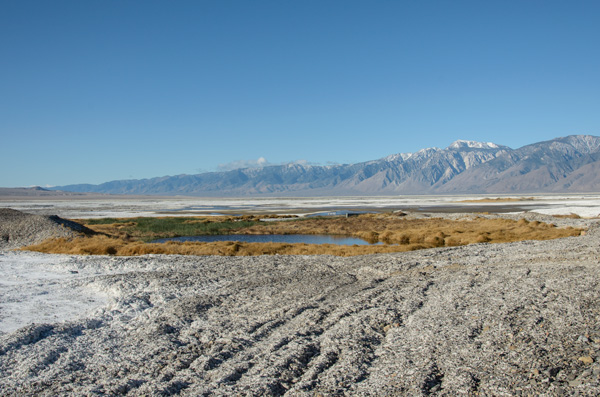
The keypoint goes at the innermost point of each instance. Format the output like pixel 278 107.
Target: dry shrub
pixel 403 239
pixel 452 241
pixel 498 199
pixel 386 236
pixel 94 245
pixel 101 245
pixel 483 238
pixel 370 236
pixel 418 236
pixel 202 221
pixel 570 216
pixel 434 241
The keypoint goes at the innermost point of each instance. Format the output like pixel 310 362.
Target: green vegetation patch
pixel 188 226
pixel 101 221
pixel 147 229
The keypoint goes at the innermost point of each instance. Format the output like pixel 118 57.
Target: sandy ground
pixel 502 319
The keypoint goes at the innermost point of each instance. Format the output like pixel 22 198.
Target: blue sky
pixel 93 91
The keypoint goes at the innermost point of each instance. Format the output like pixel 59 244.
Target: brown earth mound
pixel 18 229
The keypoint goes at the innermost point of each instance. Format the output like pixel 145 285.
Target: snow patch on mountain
pixel 464 166
pixel 463 144
pixel 398 157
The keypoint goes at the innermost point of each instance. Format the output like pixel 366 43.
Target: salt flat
pixel 501 319
pixel 37 288
pixel 587 205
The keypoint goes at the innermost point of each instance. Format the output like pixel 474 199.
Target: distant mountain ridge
pixel 566 164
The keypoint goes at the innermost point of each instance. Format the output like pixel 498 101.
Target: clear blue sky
pixel 93 91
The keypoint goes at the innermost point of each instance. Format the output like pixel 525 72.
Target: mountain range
pixel 563 165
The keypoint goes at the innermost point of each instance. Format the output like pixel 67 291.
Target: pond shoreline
pixel 273 238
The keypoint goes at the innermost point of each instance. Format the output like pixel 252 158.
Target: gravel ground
pixel 18 229
pixel 489 319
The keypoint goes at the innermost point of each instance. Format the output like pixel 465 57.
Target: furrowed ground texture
pixel 491 319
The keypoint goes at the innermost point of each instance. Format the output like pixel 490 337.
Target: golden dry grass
pixel 397 234
pixel 497 200
pixel 391 229
pixel 103 245
pixel 569 216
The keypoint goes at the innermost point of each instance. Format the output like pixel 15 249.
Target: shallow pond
pixel 273 238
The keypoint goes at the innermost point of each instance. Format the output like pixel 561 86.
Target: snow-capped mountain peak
pixel 405 156
pixel 462 144
pixel 398 156
pixel 568 164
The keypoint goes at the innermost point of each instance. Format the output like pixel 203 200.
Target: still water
pixel 273 238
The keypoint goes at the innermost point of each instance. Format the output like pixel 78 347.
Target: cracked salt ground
pixel 502 319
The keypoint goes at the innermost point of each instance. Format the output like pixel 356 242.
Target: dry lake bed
pixel 587 205
pixel 491 319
